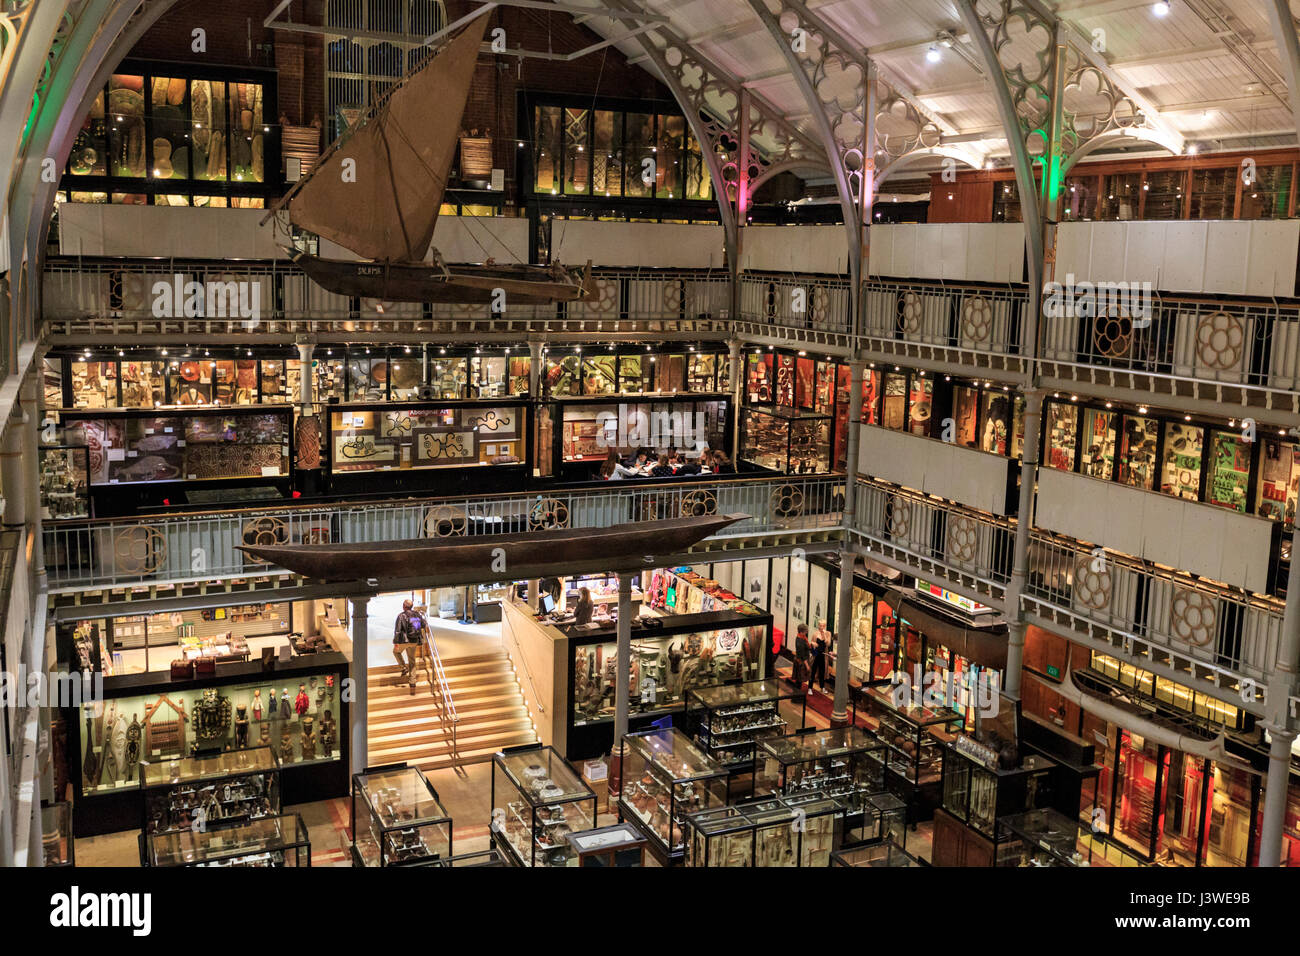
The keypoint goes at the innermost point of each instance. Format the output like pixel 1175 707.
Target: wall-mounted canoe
pixel 617 547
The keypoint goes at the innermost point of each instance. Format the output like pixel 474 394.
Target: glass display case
pixel 846 763
pixel 616 846
pixel 397 818
pixel 118 733
pixel 364 438
pixel 879 854
pixel 1042 838
pixel 665 776
pixel 591 430
pixel 786 440
pixel 685 652
pixel 218 791
pixel 768 832
pixel 58 848
pixel 490 857
pixel 731 720
pixel 149 446
pixel 65 481
pixel 979 796
pixel 537 802
pixel 913 738
pixel 269 842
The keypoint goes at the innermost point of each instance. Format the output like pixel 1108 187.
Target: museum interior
pixel 827 455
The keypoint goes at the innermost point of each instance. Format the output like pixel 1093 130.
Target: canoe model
pixel 497 556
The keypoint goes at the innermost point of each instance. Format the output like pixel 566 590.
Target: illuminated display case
pixel 165 445
pixel 845 763
pixel 538 802
pixel 269 842
pixel 979 796
pixel 879 854
pixel 397 818
pixel 65 481
pixel 767 832
pixel 785 440
pixel 364 438
pixel 684 652
pixel 666 776
pixel 590 430
pixel 210 792
pixel 913 738
pixel 731 721
pixel 1047 837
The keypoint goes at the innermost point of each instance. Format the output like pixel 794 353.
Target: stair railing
pixel 438 687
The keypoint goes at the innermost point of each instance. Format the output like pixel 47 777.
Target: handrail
pixel 441 691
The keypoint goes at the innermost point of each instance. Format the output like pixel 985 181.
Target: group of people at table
pixel 644 464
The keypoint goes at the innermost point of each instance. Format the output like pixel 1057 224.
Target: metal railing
pixel 1189 619
pixel 201 546
pixel 965 547
pixel 445 704
pixel 815 302
pixel 83 296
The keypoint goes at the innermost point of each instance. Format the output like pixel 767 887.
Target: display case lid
pixel 542 776
pixel 1053 831
pixel 262 835
pixel 762 812
pixel 923 716
pixel 675 754
pixel 821 743
pixel 156 773
pixel 605 838
pixel 732 695
pixel 401 796
pixel 788 414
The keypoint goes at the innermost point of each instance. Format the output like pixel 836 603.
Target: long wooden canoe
pixel 620 546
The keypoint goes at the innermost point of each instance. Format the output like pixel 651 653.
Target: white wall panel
pixel 641 244
pixel 182 232
pixel 1255 257
pixel 957 251
pixel 974 478
pixel 476 238
pixel 1190 535
pixel 793 249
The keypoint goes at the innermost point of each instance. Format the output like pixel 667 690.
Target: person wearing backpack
pixel 408 632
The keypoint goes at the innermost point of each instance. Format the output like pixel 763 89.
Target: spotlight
pixel 1160 8
pixel 933 55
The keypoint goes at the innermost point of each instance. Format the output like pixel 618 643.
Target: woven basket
pixel 476 157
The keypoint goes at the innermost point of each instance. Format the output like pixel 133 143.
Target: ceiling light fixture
pixel 933 55
pixel 1160 8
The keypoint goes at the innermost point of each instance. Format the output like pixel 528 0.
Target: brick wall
pixel 236 37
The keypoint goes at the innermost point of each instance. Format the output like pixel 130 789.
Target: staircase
pixel 406 727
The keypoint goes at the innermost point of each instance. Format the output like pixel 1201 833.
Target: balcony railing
pixel 817 303
pixel 1191 621
pixel 201 546
pixel 966 548
pixel 86 296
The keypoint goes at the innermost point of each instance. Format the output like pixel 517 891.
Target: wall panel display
pixel 1181 474
pixel 1279 481
pixel 819 597
pixel 1062 425
pixel 367 439
pixel 1097 458
pixel 779 594
pixel 138 447
pixel 1137 451
pixel 1229 478
pixel 799 599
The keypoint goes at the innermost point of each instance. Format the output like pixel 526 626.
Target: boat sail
pixel 378 190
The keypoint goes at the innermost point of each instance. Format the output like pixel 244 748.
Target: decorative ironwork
pixel 264 531
pixel 1092 587
pixel 963 538
pixel 898 517
pixel 547 514
pixel 444 521
pixel 787 501
pixel 1220 339
pixel 139 550
pixel 977 320
pixel 697 504
pixel 1193 617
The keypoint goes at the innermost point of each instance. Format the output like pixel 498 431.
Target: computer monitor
pixel 548 604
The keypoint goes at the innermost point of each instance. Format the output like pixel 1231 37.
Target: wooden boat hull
pixel 424 282
pixel 493 557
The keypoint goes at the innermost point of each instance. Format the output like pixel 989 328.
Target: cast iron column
pixel 1016 625
pixel 848 557
pixel 535 370
pixel 360 667
pixel 623 670
pixel 737 368
pixel 1282 684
